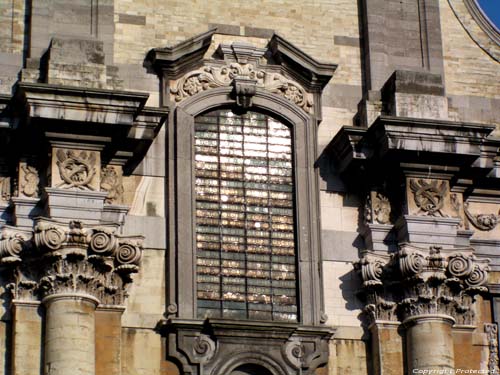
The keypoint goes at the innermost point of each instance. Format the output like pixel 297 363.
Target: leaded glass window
pixel 245 235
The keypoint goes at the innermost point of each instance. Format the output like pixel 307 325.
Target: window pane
pixel 244 213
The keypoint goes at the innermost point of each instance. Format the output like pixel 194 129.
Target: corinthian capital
pixel 421 281
pixel 70 258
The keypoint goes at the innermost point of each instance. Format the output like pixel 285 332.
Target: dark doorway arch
pixel 251 369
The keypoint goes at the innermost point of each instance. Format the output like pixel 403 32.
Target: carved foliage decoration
pixel 422 281
pixel 77 169
pixel 219 76
pixel 429 196
pixel 491 330
pixel 70 258
pixel 112 183
pixel 484 222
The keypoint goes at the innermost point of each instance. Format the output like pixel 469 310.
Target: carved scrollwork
pixel 103 241
pixel 49 236
pixel 478 277
pixel 484 222
pixel 294 353
pixel 429 196
pixel 128 252
pixel 76 168
pixel 212 77
pixel 70 258
pixel 410 263
pixel 426 281
pixel 460 265
pixel 204 346
pixel 371 270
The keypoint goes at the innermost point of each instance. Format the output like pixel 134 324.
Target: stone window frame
pixel 181 293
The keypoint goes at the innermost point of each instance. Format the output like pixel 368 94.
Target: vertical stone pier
pixel 70 334
pixel 429 343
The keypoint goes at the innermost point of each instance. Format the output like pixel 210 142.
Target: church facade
pixel 271 187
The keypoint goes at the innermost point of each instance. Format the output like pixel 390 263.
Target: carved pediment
pixel 280 68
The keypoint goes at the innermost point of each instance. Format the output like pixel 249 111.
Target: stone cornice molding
pixel 60 258
pixel 410 143
pixel 418 281
pixel 118 122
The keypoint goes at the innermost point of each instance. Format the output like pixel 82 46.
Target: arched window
pixel 243 279
pixel 245 238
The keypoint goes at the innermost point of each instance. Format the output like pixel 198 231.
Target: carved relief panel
pixel 432 198
pixel 75 169
pixel 112 183
pixel 483 218
pixel 29 180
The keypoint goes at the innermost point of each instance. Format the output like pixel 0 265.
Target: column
pixel 70 334
pixel 429 343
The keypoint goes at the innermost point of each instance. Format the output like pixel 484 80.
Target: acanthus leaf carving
pixel 420 281
pixel 70 258
pixel 218 76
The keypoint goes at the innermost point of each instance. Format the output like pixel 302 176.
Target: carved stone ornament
pixel 378 208
pixel 29 180
pixel 77 169
pixel 491 330
pixel 416 281
pixel 58 258
pixel 429 196
pixel 112 183
pixel 5 189
pixel 218 76
pixel 484 222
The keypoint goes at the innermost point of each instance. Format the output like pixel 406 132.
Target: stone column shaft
pixel 70 335
pixel 429 343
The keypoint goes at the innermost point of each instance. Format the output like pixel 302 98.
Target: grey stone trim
pixel 219 347
pixel 131 19
pixel 176 60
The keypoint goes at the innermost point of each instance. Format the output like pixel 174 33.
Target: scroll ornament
pixel 111 182
pixel 220 76
pixel 483 222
